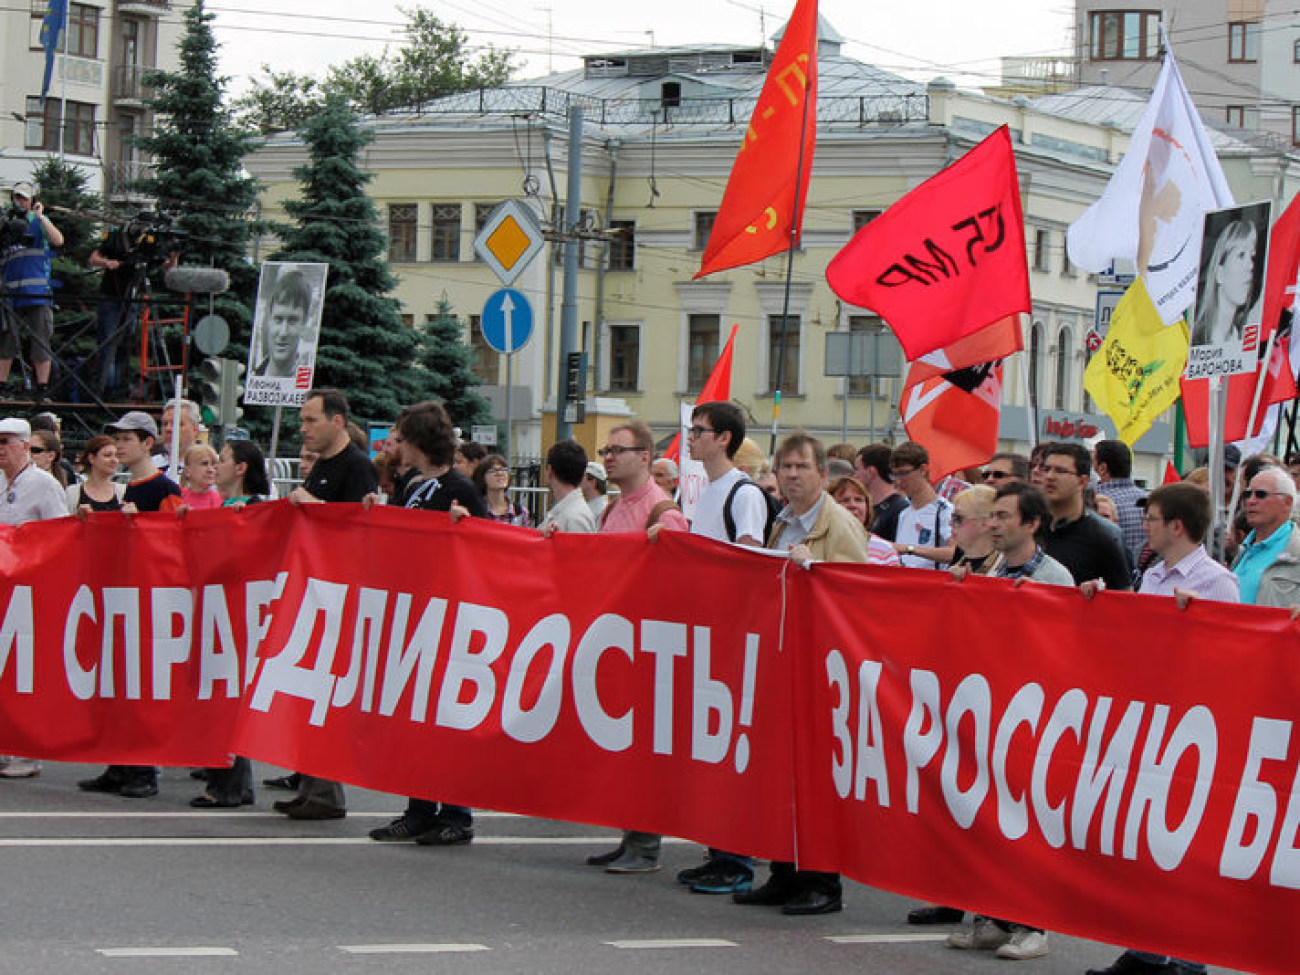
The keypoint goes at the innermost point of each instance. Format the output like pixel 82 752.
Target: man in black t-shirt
pixel 342 473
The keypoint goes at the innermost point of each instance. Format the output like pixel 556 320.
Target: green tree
pixel 449 361
pixel 198 178
pixel 365 348
pixel 433 60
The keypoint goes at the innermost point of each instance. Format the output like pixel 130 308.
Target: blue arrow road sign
pixel 507 321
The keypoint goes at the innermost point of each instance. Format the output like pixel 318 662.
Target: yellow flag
pixel 1133 378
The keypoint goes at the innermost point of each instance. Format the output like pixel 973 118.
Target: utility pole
pixel 569 302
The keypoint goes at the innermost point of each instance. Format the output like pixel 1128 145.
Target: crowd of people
pixel 1063 515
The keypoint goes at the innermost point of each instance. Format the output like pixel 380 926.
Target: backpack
pixel 773 509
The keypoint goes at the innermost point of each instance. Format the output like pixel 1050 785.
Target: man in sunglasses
pixel 1004 469
pixel 1268 565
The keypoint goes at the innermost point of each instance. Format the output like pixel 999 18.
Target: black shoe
pixel 398 831
pixel 446 834
pixel 199 774
pixel 813 902
pixel 605 859
pixel 772 894
pixel 284 805
pixel 1130 964
pixel 211 802
pixel 42 394
pixel 935 915
pixel 105 782
pixel 313 810
pixel 287 782
pixel 692 875
pixel 139 789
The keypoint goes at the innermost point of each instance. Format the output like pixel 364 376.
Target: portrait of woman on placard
pixel 1230 285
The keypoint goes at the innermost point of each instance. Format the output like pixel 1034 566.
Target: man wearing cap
pixel 148 490
pixel 593 489
pixel 29 299
pixel 27 493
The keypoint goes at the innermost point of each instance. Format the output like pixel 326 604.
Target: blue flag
pixel 56 19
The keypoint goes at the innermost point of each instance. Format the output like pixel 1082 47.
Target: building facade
pixel 661 132
pixel 96 97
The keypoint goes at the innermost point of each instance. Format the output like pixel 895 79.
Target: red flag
pixel 1280 289
pixel 948 258
pixel 717 387
pixel 763 202
pixel 955 414
pixel 1171 473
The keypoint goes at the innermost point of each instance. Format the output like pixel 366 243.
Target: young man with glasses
pixel 1268 565
pixel 1005 468
pixel 924 538
pixel 641 505
pixel 1081 540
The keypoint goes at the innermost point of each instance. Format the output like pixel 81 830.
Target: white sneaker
pixel 20 768
pixel 983 933
pixel 1025 943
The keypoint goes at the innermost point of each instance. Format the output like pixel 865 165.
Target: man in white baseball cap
pixel 27 493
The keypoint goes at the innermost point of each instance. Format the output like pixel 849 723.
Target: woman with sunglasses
pixel 492 478
pixel 47 454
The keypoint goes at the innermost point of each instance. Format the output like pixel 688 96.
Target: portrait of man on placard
pixel 282 354
pixel 1230 291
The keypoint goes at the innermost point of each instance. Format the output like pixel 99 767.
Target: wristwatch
pixel 911 549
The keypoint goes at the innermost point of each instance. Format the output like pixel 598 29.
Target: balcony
pixel 129 90
pixel 144 8
pixel 118 177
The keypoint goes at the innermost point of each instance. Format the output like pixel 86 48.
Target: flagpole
pixel 795 226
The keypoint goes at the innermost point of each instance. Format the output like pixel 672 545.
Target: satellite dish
pixel 212 335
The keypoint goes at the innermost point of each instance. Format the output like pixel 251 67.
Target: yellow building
pixel 662 127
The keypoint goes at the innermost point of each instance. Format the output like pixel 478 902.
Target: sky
pixel 958 39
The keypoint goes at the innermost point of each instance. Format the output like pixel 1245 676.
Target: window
pixel 481 213
pixel 83 31
pixel 863 217
pixel 790 376
pixel 1236 115
pixel 78 127
pixel 1243 41
pixel 403 226
pixel 703 228
pixel 861 385
pixel 625 356
pixel 701 349
pixel 1295 52
pixel 408 320
pixel 130 41
pixel 487 361
pixel 446 232
pixel 670 93
pixel 1067 269
pixel 1295 125
pixel 1064 355
pixel 1042 248
pixel 622 245
pixel 1123 35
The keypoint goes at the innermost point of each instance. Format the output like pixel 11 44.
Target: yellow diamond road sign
pixel 509 240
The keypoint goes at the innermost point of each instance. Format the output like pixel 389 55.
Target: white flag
pixel 1152 213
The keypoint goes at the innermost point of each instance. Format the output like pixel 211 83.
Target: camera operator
pixel 127 255
pixel 28 296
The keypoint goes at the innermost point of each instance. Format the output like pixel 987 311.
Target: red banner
pixel 1112 768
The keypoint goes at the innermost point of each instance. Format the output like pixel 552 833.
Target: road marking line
pixel 167 952
pixel 416 949
pixel 183 841
pixel 883 939
pixel 675 943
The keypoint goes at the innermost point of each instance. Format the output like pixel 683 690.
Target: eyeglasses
pixel 40 450
pixel 1063 471
pixel 959 520
pixel 1148 516
pixel 1259 494
pixel 700 431
pixel 901 471
pixel 994 475
pixel 499 470
pixel 614 450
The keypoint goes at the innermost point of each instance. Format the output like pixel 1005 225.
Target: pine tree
pixel 365 348
pixel 198 151
pixel 449 361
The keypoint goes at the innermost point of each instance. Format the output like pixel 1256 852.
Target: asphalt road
pixel 103 884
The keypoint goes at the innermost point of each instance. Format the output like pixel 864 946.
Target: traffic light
pixel 217 388
pixel 206 390
pixel 232 391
